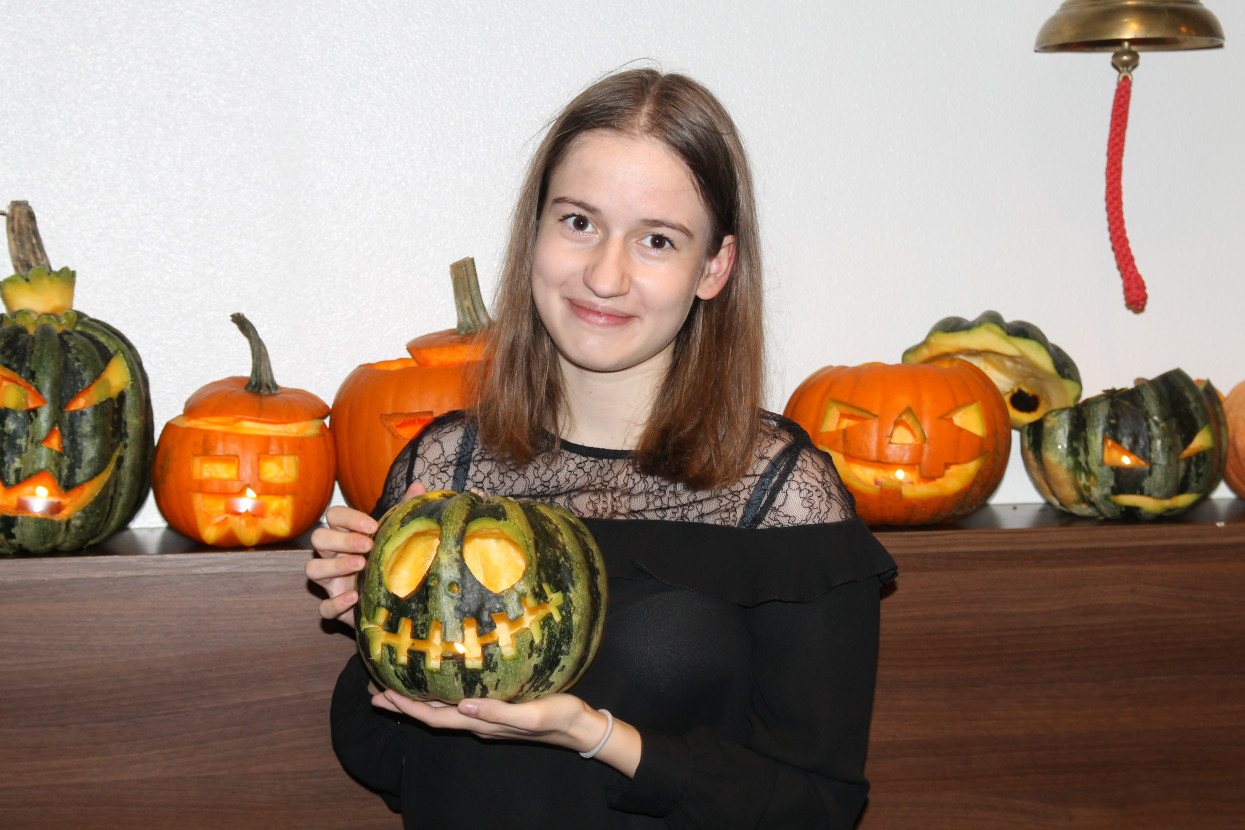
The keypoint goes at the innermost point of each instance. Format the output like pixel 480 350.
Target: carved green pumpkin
pixel 1032 374
pixel 1153 450
pixel 76 430
pixel 467 596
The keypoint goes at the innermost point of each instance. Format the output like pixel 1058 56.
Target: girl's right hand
pixel 341 552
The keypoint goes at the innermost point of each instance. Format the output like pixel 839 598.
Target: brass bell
pixel 1142 25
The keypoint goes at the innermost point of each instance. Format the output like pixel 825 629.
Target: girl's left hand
pixel 558 719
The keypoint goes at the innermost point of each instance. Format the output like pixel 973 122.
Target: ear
pixel 717 270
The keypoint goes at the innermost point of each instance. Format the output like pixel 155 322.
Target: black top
pixel 740 640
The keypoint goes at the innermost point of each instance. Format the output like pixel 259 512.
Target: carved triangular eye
pixel 1114 455
pixel 969 417
pixel 840 415
pixel 1203 441
pixel 907 429
pixel 17 393
pixel 404 569
pixel 111 382
pixel 406 425
pixel 494 556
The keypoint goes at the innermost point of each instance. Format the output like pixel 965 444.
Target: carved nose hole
pixel 453 588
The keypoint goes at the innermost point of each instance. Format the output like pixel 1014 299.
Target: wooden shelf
pixel 1036 670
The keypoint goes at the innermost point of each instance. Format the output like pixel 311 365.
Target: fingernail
pixel 469 707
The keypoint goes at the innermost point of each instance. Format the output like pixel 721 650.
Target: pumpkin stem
pixel 472 314
pixel 25 245
pixel 262 380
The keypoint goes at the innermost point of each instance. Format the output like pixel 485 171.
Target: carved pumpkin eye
pixel 840 415
pixel 1115 455
pixel 969 417
pixel 406 567
pixel 406 425
pixel 111 382
pixel 494 556
pixel 278 469
pixel 216 467
pixel 1204 441
pixel 16 393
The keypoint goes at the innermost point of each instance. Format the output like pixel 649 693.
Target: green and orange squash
pixel 1153 450
pixel 76 424
pixel 1032 374
pixel 473 596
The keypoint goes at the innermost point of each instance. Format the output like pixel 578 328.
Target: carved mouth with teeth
pixel 471 649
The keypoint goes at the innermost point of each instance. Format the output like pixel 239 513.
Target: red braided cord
pixel 1134 285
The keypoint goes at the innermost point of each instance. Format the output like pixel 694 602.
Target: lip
pixel 597 315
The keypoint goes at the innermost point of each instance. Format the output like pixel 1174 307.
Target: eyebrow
pixel 670 224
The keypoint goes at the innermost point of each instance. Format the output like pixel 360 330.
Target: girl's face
pixel 622 252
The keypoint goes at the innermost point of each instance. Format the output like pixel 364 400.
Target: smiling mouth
pixel 598 316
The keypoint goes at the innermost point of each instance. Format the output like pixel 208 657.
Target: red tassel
pixel 1134 285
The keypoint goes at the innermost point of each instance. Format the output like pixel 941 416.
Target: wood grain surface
pixel 1036 671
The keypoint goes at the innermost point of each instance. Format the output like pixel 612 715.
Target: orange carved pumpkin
pixel 381 406
pixel 915 444
pixel 247 462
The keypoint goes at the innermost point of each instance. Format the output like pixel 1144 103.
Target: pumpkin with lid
pixel 247 462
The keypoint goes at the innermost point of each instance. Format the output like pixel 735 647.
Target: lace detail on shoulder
pixel 789 483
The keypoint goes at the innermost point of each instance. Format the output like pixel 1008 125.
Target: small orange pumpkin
pixel 248 462
pixel 1234 417
pixel 915 443
pixel 381 406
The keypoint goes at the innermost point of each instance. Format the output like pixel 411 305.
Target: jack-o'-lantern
pixel 76 426
pixel 1032 374
pixel 381 406
pixel 915 444
pixel 1153 450
pixel 247 462
pixel 472 596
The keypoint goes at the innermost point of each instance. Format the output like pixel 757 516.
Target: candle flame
pixel 41 492
pixel 899 474
pixel 460 648
pixel 250 494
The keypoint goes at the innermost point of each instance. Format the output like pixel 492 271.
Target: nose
pixel 606 274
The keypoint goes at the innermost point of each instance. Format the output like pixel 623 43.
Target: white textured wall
pixel 319 165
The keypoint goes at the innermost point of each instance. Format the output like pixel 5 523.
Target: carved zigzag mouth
pixel 471 650
pixel 58 505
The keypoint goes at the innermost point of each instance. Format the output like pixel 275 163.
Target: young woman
pixel 623 381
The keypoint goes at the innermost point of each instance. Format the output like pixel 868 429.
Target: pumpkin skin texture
pixel 472 596
pixel 915 444
pixel 1153 450
pixel 1234 413
pixel 1032 374
pixel 247 462
pixel 76 426
pixel 380 407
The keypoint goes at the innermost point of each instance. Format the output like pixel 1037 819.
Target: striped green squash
pixel 76 429
pixel 1153 450
pixel 472 596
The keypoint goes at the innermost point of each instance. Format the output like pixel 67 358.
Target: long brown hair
pixel 702 431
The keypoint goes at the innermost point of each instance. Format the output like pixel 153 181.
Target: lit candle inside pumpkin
pixel 39 503
pixel 247 504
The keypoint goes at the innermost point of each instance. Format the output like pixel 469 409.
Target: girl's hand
pixel 558 719
pixel 341 552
